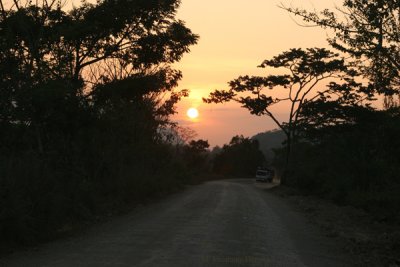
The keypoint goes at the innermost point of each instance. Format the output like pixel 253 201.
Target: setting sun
pixel 192 113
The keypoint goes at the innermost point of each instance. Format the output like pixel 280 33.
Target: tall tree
pixel 368 31
pixel 305 69
pixel 52 60
pixel 83 95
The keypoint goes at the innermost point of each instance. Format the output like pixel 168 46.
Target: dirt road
pixel 220 223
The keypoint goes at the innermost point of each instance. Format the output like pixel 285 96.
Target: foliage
pixel 85 101
pixel 369 32
pixel 353 164
pixel 88 46
pixel 305 68
pixel 196 156
pixel 240 157
pixel 348 151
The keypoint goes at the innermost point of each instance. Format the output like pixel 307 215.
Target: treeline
pixel 240 158
pixel 85 100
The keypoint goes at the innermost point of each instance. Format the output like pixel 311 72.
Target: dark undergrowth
pixel 367 241
pixel 48 194
pixel 358 165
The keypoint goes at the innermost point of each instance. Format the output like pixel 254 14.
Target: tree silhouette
pixel 196 153
pixel 240 157
pixel 305 70
pixel 86 96
pixel 55 62
pixel 369 32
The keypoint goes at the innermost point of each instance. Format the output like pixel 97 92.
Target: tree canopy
pixel 70 54
pixel 305 70
pixel 86 96
pixel 369 32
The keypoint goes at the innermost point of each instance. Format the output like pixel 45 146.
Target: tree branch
pixel 276 121
pixel 3 11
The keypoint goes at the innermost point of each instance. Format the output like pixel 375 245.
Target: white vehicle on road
pixel 264 175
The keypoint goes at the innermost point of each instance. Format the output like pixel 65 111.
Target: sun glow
pixel 192 113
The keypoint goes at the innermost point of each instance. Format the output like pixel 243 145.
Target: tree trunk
pixel 38 138
pixel 287 160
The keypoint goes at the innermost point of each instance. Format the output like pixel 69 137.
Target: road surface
pixel 219 223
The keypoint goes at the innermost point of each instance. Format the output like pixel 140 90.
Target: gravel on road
pixel 220 223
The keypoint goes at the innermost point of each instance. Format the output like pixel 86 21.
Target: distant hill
pixel 269 140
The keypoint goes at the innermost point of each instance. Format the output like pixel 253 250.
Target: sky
pixel 235 37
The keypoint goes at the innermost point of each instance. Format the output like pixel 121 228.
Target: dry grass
pixel 372 243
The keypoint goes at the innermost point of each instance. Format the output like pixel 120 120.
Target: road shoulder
pixel 371 243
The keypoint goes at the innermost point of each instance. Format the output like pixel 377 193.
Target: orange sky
pixel 235 37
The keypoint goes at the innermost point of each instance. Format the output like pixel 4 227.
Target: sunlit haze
pixel 235 37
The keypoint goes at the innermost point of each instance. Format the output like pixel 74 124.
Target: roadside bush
pixel 93 174
pixel 357 165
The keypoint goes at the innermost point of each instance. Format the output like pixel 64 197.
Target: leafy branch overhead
pixel 369 32
pixel 129 43
pixel 86 97
pixel 299 85
pixel 143 34
pixel 304 69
